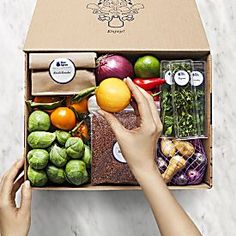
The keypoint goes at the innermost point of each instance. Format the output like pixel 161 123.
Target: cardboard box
pixel 168 29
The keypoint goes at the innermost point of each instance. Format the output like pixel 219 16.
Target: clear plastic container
pixel 198 77
pixel 166 101
pixel 183 100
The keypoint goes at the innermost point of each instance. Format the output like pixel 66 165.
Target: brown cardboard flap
pixel 137 25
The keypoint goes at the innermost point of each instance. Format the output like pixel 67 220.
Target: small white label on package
pixel 62 70
pixel 168 77
pixel 117 153
pixel 181 77
pixel 196 78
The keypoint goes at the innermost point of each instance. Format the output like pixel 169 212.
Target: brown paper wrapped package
pixel 43 85
pixel 42 61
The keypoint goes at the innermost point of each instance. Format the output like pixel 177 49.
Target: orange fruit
pixel 82 131
pixel 113 95
pixel 63 118
pixel 80 107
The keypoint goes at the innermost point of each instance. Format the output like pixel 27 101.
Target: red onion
pixel 113 66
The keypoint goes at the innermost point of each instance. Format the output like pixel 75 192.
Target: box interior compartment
pixel 132 56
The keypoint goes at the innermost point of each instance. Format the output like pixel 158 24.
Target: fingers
pixel 153 108
pixel 9 178
pixel 26 197
pixel 17 185
pixel 142 103
pixel 115 124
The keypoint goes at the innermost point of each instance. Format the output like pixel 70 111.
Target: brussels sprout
pixel 55 174
pixel 58 156
pixel 75 147
pixel 87 156
pixel 38 158
pixel 76 172
pixel 41 139
pixel 39 121
pixel 62 137
pixel 37 178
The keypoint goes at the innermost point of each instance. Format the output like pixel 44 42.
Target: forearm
pixel 169 215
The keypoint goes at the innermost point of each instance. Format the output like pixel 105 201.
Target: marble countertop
pixel 125 213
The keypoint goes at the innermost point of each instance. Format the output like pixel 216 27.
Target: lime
pixel 147 67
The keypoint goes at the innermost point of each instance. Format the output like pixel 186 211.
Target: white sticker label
pixel 196 78
pixel 117 153
pixel 181 77
pixel 62 70
pixel 168 77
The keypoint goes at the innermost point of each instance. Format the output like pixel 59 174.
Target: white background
pixel 125 213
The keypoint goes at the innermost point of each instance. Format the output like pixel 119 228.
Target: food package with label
pixel 198 81
pixel 166 100
pixel 108 163
pixel 61 73
pixel 183 99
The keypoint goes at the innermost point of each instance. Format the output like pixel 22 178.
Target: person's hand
pixel 138 146
pixel 14 221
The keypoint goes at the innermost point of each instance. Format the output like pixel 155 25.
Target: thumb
pixel 115 124
pixel 26 196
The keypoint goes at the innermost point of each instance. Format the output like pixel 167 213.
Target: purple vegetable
pixel 162 164
pixel 194 177
pixel 113 66
pixel 181 179
pixel 200 158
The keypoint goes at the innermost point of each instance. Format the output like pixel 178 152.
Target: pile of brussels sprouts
pixel 55 157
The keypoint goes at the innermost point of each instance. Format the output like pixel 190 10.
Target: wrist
pixel 146 170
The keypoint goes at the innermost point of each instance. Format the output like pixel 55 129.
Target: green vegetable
pixel 166 103
pixel 56 175
pixel 41 139
pixel 38 158
pixel 87 156
pixel 62 136
pixel 83 94
pixel 38 178
pixel 75 147
pixel 76 172
pixel 200 66
pixel 44 106
pixel 39 121
pixel 58 156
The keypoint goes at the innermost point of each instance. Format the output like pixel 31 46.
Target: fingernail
pixel 129 79
pixel 27 184
pixel 20 160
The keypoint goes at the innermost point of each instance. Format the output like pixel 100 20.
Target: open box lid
pixel 116 25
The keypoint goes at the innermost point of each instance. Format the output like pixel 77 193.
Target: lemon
pixel 113 95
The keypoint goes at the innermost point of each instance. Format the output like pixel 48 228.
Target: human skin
pixel 170 217
pixel 14 221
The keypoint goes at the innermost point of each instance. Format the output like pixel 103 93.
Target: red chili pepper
pixel 150 83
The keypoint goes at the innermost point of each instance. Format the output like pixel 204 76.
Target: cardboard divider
pixel 195 55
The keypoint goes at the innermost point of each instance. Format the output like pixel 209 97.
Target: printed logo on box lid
pixel 117 153
pixel 197 78
pixel 62 70
pixel 115 12
pixel 181 77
